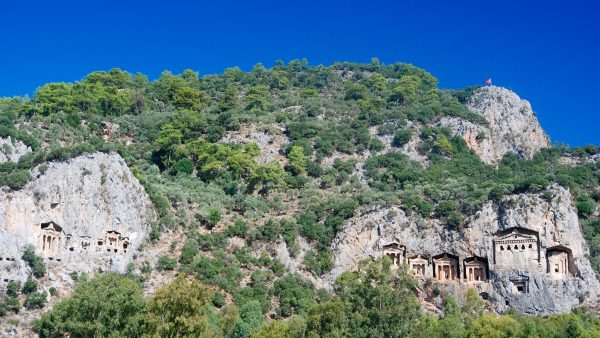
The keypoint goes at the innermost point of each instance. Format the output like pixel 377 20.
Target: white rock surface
pixel 512 125
pixel 86 197
pixel 555 222
pixel 12 150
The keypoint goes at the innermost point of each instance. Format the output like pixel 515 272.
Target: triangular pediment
pixel 51 226
pixel 393 247
pixel 516 233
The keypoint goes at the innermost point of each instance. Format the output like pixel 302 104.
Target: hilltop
pixel 269 186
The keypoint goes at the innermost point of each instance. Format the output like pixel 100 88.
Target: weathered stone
pixel 512 125
pixel 87 214
pixel 529 284
pixel 12 150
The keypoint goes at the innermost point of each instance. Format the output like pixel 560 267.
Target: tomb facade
pixel 50 238
pixel 125 241
pixel 445 267
pixel 396 253
pixel 86 242
pixel 419 266
pixel 476 269
pixel 516 247
pixel 112 240
pixel 520 284
pixel 559 262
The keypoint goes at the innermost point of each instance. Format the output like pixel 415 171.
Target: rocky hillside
pixel 276 182
pixel 81 216
pixel 552 220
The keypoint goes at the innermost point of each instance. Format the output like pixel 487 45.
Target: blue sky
pixel 546 51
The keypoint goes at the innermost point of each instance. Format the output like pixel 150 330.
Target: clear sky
pixel 546 51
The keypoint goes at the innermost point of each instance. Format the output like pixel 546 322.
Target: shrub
pixel 13 288
pixel 17 179
pixel 214 217
pixel 36 300
pixel 188 252
pixel 184 166
pixel 154 233
pixel 454 220
pixel 222 270
pixel 30 285
pixel 166 263
pixel 376 145
pixel 238 228
pixel 585 207
pixel 36 263
pixel 402 137
pixel 218 299
pixel 12 304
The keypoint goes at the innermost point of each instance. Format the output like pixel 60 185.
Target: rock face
pixel 86 214
pixel 526 252
pixel 512 125
pixel 12 150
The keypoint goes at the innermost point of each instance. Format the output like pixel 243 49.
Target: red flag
pixel 488 81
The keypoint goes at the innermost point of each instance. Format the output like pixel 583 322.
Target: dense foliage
pixel 369 302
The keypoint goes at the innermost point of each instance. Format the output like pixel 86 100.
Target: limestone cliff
pixel 83 215
pixel 512 125
pixel 525 252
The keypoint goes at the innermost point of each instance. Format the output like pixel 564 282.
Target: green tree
pixel 407 90
pixel 356 91
pixel 295 295
pixel 329 319
pixel 292 328
pixel 229 98
pixel 442 146
pixel 256 98
pixel 169 138
pixel 378 303
pixel 109 305
pixel 54 97
pixel 180 309
pixel 269 176
pixel 473 303
pixel 491 326
pixel 297 160
pixel 251 318
pixel 190 98
pixel 451 325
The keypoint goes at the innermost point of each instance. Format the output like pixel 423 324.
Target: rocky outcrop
pixel 512 125
pixel 269 141
pixel 545 270
pixel 84 215
pixel 11 149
